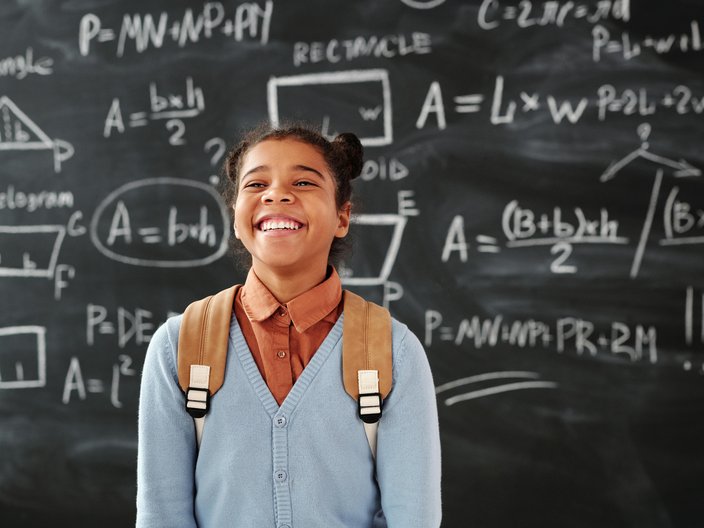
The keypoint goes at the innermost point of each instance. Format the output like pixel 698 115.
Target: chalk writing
pixel 220 147
pixel 28 257
pixel 22 357
pixel 693 300
pixel 523 227
pixel 679 169
pixel 75 381
pixel 640 102
pixel 285 93
pixel 20 66
pixel 394 224
pixel 119 228
pixel 633 342
pixel 499 388
pixel 385 46
pixel 629 48
pixel 383 169
pixel 30 251
pixel 506 109
pixel 30 201
pixel 129 325
pixel 19 132
pixel 170 107
pixel 250 21
pixel 423 4
pixel 682 221
pixel 493 14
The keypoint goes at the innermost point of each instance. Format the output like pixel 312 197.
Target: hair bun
pixel 350 150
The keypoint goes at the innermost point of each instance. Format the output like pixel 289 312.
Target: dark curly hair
pixel 343 155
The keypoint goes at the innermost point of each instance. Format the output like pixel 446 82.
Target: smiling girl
pixel 283 445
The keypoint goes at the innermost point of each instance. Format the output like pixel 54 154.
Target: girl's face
pixel 285 213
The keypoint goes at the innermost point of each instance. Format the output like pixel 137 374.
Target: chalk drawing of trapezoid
pixel 30 251
pixel 19 132
pixel 386 227
pixel 358 100
pixel 22 357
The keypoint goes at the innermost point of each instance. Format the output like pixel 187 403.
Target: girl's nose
pixel 277 193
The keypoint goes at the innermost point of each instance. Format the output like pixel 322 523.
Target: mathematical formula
pixel 348 80
pixel 250 21
pixel 607 101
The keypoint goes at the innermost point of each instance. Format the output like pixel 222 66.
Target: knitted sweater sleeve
pixel 166 446
pixel 408 441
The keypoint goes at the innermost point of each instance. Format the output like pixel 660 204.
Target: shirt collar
pixel 308 308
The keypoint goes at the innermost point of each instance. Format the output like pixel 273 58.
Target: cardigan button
pixel 280 421
pixel 280 476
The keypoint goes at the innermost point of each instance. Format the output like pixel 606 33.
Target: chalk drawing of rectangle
pixel 37 333
pixel 398 223
pixel 17 237
pixel 342 77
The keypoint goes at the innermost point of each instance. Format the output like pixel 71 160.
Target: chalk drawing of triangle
pixel 13 123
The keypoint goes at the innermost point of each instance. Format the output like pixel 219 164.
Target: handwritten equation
pixel 633 342
pixel 507 109
pixel 250 21
pixel 123 227
pixel 171 107
pixel 682 221
pixel 77 387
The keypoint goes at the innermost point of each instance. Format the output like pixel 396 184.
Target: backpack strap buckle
pixel 369 402
pixel 198 395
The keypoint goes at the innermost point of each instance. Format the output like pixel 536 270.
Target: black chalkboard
pixel 531 206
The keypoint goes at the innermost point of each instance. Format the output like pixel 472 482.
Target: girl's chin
pixel 286 259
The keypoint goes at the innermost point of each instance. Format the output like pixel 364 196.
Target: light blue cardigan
pixel 305 464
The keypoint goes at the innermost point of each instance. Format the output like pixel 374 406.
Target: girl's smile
pixel 279 224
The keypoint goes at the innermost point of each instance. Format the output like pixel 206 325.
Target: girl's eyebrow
pixel 259 168
pixel 311 169
pixel 264 168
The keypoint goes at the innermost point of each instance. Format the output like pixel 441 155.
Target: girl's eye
pixel 304 183
pixel 254 184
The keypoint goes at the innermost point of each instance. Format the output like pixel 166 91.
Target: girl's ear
pixel 234 223
pixel 343 220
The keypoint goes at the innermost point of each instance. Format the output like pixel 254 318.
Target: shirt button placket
pixel 281 478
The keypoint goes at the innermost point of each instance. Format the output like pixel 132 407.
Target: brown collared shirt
pixel 283 338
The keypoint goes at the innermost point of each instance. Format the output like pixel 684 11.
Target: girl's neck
pixel 288 284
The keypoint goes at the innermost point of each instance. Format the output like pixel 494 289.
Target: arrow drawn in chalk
pixel 682 169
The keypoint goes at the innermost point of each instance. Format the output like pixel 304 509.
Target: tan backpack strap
pixel 367 360
pixel 366 343
pixel 203 340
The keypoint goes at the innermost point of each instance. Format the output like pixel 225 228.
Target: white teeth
pixel 268 225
